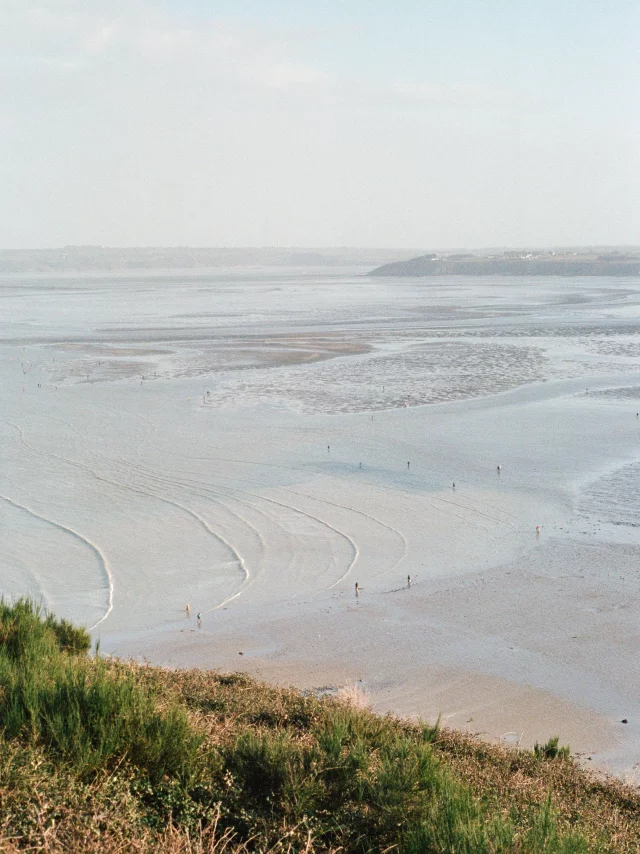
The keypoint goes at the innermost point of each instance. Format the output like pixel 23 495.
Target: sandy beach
pixel 254 443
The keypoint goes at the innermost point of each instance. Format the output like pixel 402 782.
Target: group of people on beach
pixel 357 586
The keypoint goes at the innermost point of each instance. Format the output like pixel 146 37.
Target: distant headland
pixel 572 261
pixel 561 262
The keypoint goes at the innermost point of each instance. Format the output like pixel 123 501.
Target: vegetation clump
pixel 100 755
pixel 84 711
pixel 551 750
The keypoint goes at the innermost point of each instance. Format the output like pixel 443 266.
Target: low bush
pixel 71 638
pixel 551 750
pixel 83 710
pixel 27 636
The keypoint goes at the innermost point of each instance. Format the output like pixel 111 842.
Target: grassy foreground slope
pixel 103 756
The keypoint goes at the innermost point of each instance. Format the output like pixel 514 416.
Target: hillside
pixel 526 264
pixel 103 756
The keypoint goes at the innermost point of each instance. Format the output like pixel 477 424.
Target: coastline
pixel 262 502
pixel 430 666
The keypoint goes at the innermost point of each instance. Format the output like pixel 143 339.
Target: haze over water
pixel 253 442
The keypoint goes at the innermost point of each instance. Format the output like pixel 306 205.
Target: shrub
pixel 550 750
pixel 81 709
pixel 25 635
pixel 71 638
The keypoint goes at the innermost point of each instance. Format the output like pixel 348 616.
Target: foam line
pixel 78 536
pixel 236 555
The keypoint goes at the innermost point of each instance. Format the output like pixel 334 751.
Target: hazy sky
pixel 361 122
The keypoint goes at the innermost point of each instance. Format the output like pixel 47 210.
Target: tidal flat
pixel 253 442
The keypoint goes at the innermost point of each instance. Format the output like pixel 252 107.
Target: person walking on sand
pixel 188 610
pixel 408 581
pixel 357 589
pixel 199 619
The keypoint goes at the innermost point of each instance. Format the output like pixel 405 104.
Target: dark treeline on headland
pixel 581 262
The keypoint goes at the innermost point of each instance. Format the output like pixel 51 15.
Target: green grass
pixel 26 635
pixel 84 711
pixel 99 755
pixel 551 750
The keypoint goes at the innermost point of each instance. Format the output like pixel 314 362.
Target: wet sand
pixel 243 447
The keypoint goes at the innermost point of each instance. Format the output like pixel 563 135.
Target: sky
pixel 355 123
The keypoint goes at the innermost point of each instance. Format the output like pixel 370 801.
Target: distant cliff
pixel 548 265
